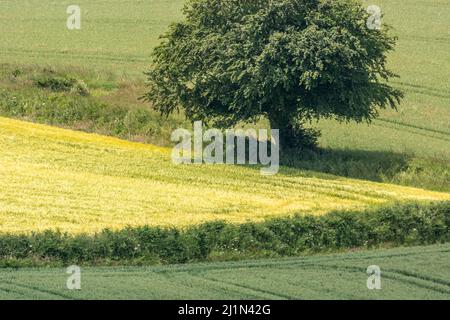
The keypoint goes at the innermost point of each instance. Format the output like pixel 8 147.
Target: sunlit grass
pixel 53 178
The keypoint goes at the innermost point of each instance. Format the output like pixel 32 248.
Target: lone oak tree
pixel 291 61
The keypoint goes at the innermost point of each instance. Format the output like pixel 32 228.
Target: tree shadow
pixel 376 166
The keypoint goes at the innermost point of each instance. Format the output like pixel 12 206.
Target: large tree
pixel 291 61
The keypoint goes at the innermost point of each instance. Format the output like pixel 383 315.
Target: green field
pixel 421 127
pixel 116 35
pixel 406 273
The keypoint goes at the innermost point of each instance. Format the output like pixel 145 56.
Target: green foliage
pixel 86 113
pixel 55 83
pixel 288 60
pixel 411 224
pixel 60 83
pixel 80 88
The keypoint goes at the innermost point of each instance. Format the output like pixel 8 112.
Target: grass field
pixel 421 127
pixel 406 273
pixel 59 179
pixel 116 35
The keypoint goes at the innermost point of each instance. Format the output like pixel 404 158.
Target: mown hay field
pixel 76 182
pixel 406 274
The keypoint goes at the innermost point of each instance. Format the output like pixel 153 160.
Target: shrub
pixel 80 88
pixel 62 83
pixel 55 83
pixel 410 224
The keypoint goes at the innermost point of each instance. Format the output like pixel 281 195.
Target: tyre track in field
pixel 45 291
pixel 325 267
pixel 417 38
pixel 422 277
pixel 407 128
pixel 199 273
pixel 10 291
pixel 220 286
pixel 223 289
pixel 416 127
pixel 258 291
pixel 413 281
pixel 286 262
pixel 423 89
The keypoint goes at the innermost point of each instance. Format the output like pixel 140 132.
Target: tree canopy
pixel 291 61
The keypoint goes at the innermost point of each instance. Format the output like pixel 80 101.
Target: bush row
pixel 411 224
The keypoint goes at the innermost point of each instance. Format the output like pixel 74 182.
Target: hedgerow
pixel 410 224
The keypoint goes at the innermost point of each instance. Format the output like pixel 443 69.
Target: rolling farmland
pixel 54 177
pixel 422 60
pixel 116 35
pixel 115 49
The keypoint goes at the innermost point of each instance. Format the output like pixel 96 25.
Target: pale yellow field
pixel 53 178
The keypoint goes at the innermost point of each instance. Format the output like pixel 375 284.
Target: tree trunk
pixel 292 134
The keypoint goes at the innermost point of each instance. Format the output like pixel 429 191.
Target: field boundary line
pixel 401 277
pixel 409 130
pixel 290 261
pixel 400 123
pixel 257 290
pixel 51 292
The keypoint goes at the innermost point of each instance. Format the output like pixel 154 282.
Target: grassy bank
pixel 72 98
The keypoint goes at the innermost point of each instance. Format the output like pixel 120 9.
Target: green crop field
pixel 116 35
pixel 405 274
pixel 422 60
